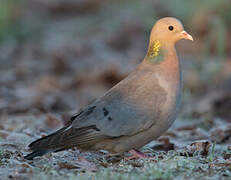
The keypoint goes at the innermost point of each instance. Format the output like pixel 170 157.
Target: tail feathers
pixel 41 147
pixel 36 153
pixel 45 142
pixel 64 138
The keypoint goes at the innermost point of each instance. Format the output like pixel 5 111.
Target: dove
pixel 134 112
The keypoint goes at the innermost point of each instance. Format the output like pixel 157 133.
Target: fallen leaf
pixel 201 147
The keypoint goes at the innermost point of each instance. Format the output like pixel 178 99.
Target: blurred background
pixel 57 56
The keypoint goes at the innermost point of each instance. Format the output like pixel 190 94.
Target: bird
pixel 134 112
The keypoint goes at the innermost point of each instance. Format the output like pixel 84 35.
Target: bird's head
pixel 168 31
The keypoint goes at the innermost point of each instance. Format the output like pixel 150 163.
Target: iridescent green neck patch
pixel 155 53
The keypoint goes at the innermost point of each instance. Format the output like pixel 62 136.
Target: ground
pixel 58 56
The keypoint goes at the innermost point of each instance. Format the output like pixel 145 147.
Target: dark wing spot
pixel 105 111
pixel 109 118
pixel 89 110
pixel 95 128
pixel 86 112
pixel 76 115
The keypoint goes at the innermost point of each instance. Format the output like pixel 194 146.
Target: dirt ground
pixel 58 56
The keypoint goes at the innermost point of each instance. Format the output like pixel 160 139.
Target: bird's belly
pixel 171 108
pixel 172 83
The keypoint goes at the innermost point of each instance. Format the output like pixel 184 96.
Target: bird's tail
pixel 64 138
pixel 35 154
pixel 44 145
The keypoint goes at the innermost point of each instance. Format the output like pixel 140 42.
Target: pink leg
pixel 137 154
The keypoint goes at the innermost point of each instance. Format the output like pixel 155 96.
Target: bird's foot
pixel 137 154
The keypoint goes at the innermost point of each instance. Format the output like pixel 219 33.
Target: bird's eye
pixel 170 28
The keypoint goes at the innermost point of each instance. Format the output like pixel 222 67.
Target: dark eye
pixel 170 28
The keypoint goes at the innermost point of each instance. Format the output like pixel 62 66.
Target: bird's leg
pixel 137 154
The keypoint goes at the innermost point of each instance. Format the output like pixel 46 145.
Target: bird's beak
pixel 185 35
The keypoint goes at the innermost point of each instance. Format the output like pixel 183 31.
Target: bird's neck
pixel 162 59
pixel 157 52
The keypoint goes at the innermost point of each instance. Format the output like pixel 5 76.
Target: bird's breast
pixel 172 84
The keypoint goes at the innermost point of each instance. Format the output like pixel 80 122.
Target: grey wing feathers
pixel 128 108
